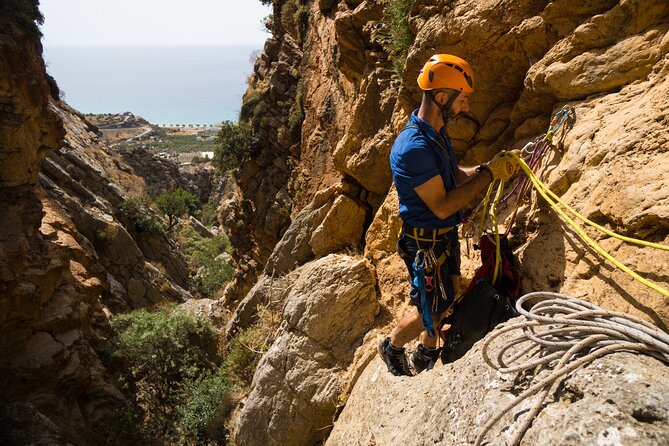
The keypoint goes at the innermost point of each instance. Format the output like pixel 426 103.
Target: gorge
pixel 312 220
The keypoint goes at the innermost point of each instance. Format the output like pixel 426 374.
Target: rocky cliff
pixel 608 59
pixel 69 257
pixel 312 217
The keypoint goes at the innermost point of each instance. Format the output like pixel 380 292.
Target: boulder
pixel 298 382
pixel 209 309
pixel 341 227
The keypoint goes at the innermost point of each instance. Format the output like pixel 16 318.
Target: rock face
pixel 607 59
pixel 69 258
pixel 325 106
pixel 298 383
pixel 80 179
pixel 618 399
pixel 303 110
pixel 164 175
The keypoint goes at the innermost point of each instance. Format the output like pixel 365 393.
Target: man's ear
pixel 441 99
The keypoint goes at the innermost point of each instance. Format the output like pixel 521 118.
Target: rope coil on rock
pixel 564 333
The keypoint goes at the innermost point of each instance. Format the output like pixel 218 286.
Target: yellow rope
pixel 542 189
pixel 483 212
pixel 498 250
pixel 584 219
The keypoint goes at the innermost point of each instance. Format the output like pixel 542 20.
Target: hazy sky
pixel 153 22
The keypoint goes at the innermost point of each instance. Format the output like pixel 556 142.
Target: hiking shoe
pixel 396 360
pixel 424 358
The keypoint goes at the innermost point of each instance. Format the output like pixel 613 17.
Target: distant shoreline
pixel 167 85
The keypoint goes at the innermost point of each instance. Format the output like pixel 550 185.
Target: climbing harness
pixel 563 333
pixel 427 275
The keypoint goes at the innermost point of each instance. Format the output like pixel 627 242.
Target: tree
pixel 234 143
pixel 176 203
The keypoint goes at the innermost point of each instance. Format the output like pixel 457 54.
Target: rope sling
pixel 562 209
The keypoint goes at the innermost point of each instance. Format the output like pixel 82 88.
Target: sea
pixel 200 85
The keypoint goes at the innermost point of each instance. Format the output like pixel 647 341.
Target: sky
pixel 153 22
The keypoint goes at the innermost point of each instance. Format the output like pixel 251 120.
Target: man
pixel 432 189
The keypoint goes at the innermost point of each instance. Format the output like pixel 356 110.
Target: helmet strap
pixel 446 108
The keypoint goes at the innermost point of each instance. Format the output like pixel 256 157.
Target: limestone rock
pixel 341 227
pixel 364 151
pixel 617 399
pixel 297 384
pixel 268 291
pixel 294 248
pixel 29 128
pixel 381 236
pixel 210 309
pixel 164 175
pixel 351 46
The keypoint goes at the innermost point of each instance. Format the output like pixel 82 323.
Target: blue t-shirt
pixel 418 154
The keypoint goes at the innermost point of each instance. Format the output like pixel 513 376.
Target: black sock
pixel 390 348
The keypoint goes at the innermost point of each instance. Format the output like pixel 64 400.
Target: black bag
pixel 483 305
pixel 480 310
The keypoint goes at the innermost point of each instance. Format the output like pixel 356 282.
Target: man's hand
pixel 503 165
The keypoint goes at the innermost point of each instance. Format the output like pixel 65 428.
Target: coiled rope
pixel 564 333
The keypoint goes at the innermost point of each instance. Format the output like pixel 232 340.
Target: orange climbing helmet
pixel 447 71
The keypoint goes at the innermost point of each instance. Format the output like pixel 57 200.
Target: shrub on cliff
pixel 394 33
pixel 234 143
pixel 206 403
pixel 137 210
pixel 25 13
pixel 208 255
pixel 295 18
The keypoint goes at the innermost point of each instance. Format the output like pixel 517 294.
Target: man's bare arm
pixel 444 204
pixel 464 174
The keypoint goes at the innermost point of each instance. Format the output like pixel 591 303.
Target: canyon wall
pixel 313 219
pixel 606 59
pixel 70 258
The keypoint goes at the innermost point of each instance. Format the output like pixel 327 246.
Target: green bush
pixel 177 203
pixel 207 402
pixel 394 34
pixel 206 254
pixel 138 211
pixel 207 214
pixel 296 116
pixel 156 354
pixel 127 427
pixel 54 90
pixel 234 143
pixel 213 276
pixel 301 19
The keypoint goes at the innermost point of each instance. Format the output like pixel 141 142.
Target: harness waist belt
pixel 421 234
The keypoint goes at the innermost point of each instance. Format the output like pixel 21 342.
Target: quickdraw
pixel 427 279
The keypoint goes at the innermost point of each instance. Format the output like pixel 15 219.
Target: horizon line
pixel 145 45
